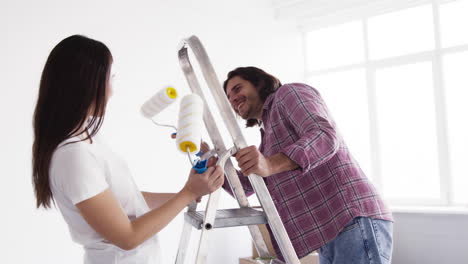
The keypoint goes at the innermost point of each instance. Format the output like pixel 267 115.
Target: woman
pixel 90 184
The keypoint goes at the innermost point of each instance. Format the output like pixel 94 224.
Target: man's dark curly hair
pixel 265 83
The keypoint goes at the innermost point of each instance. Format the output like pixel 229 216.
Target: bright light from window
pixel 405 101
pixel 456 81
pixel 453 23
pixel 406 119
pixel 401 32
pixel 335 46
pixel 346 97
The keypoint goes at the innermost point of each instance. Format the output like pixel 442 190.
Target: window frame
pixel 370 66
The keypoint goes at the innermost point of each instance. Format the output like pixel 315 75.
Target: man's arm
pixel 305 113
pixel 280 162
pixel 251 160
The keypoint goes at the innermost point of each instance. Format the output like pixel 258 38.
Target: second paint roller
pixel 159 102
pixel 189 125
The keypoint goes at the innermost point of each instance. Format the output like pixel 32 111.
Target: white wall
pixel 143 37
pixel 430 238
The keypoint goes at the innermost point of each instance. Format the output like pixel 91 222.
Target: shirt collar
pixel 268 102
pixel 266 106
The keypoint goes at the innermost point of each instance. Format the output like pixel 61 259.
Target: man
pixel 323 197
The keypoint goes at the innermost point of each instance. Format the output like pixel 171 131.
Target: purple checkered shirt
pixel 329 189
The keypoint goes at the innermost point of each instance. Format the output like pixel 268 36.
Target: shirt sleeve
pixel 304 112
pixel 76 173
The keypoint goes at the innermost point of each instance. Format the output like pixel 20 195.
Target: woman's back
pixel 82 170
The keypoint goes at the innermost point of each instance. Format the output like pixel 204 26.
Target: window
pixel 456 83
pixel 453 21
pixel 405 102
pixel 345 96
pixel 406 73
pixel 399 33
pixel 335 46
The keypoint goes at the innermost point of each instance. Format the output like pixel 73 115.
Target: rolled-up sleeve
pixel 304 111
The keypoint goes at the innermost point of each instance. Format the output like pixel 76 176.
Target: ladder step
pixel 228 217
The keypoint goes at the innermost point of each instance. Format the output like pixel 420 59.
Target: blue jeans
pixel 363 241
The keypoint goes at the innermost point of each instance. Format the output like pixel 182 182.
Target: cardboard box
pixel 266 237
pixel 310 259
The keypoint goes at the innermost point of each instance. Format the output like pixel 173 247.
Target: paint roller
pixel 189 126
pixel 190 122
pixel 159 102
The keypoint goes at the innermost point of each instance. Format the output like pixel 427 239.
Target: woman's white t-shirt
pixel 81 170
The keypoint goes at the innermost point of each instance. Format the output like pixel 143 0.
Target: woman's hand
pixel 208 182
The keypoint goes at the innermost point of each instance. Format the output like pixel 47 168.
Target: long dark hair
pixel 265 83
pixel 73 87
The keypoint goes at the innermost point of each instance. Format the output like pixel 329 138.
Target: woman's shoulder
pixel 73 157
pixel 73 144
pixel 76 171
pixel 73 149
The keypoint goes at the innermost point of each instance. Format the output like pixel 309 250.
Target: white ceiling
pixel 316 13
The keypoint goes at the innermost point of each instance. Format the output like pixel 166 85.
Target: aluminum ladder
pixel 212 218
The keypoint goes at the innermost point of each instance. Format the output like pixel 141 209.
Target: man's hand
pixel 250 160
pixel 204 147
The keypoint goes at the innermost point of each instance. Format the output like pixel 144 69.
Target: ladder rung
pixel 228 217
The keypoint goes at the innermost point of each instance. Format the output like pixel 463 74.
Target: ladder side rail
pixel 185 237
pixel 257 237
pixel 207 228
pixel 257 182
pixel 194 85
pixel 216 138
pixel 213 130
pixel 210 214
pixel 216 90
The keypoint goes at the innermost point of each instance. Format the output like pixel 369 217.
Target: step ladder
pixel 212 218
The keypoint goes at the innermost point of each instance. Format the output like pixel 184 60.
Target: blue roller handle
pixel 200 166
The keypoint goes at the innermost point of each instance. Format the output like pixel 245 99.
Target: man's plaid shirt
pixel 329 189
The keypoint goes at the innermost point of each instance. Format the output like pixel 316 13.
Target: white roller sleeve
pixel 159 102
pixel 190 123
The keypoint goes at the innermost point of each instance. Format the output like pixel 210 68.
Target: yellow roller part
pixel 187 144
pixel 171 92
